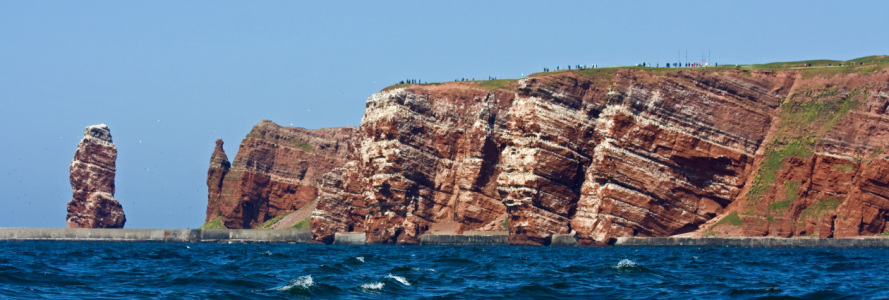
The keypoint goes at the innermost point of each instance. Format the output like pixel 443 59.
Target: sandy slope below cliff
pixel 292 218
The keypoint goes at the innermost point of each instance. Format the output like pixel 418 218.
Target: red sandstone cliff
pixel 92 182
pixel 616 152
pixel 275 171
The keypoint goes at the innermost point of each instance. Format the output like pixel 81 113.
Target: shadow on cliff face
pixel 491 158
pixel 700 171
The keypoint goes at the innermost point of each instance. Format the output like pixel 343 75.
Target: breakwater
pixel 461 240
pixel 473 238
pixel 756 242
pixel 156 235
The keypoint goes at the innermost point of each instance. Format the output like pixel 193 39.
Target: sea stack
pixel 219 166
pixel 92 181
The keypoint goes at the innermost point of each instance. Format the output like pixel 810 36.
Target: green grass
pixel 774 159
pixel 506 222
pixel 496 84
pixel 845 168
pixel 790 189
pixel 214 224
pixel 816 112
pixel 304 146
pixel 805 117
pixel 846 69
pixel 779 205
pixel 794 64
pixel 401 85
pixel 818 67
pixel 731 219
pixel 827 67
pixel 597 73
pixel 819 207
pixel 302 224
pixel 395 86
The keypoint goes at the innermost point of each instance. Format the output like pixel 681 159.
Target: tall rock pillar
pixel 219 166
pixel 92 182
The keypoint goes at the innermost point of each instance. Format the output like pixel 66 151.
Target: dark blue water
pixel 58 270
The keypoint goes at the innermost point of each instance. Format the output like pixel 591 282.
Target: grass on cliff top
pixel 214 224
pixel 491 85
pixel 828 68
pixel 496 84
pixel 401 85
pixel 818 67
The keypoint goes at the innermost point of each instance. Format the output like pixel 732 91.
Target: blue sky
pixel 169 78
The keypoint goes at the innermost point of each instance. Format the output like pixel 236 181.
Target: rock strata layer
pixel 276 170
pixel 92 181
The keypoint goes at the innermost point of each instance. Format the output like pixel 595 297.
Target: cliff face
pixel 824 171
pixel 276 170
pixel 427 157
pixel 92 182
pixel 620 152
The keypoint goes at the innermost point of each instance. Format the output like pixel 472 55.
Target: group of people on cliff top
pixel 678 65
pixel 578 67
pixel 411 81
pixel 473 79
pixel 644 64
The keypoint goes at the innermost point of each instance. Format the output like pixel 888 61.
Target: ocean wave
pixel 400 279
pixel 626 264
pixel 301 283
pixel 375 286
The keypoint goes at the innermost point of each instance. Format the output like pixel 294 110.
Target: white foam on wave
pixel 626 263
pixel 376 286
pixel 303 282
pixel 360 258
pixel 400 279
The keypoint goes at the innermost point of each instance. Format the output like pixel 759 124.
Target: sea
pixel 124 270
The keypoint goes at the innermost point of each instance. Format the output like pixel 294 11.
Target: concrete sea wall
pixel 461 240
pixel 482 239
pixel 349 238
pixel 756 242
pixel 156 235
